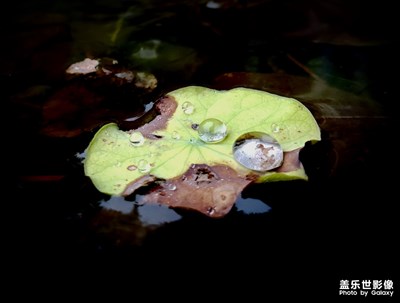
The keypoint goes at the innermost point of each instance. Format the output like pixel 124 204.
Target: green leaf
pixel 171 144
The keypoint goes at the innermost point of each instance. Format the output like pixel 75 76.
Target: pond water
pixel 338 225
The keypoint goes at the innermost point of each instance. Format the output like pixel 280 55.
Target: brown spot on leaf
pixel 165 108
pixel 142 181
pixel 291 161
pixel 211 190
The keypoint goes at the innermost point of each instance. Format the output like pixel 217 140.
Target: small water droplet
pixel 136 138
pixel 275 128
pixel 170 186
pixel 195 126
pixel 188 108
pixel 212 130
pixel 258 151
pixel 175 135
pixel 192 140
pixel 144 166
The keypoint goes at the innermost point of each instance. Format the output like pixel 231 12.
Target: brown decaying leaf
pixel 211 190
pixel 83 67
pixel 165 108
pixel 291 161
pixel 81 105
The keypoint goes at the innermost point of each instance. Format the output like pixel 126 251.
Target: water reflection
pixel 154 214
pixel 118 204
pixel 148 50
pixel 149 214
pixel 81 155
pixel 252 206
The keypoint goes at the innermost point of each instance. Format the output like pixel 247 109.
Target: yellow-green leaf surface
pixel 112 161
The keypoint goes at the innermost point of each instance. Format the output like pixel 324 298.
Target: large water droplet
pixel 258 151
pixel 144 166
pixel 188 108
pixel 136 138
pixel 212 130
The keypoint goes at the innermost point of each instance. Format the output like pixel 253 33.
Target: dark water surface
pixel 338 225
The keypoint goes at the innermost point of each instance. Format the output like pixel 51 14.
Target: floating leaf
pixel 197 174
pixel 94 84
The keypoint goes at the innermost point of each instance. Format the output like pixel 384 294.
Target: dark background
pixel 338 225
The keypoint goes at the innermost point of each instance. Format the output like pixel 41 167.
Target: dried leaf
pixel 90 97
pixel 86 66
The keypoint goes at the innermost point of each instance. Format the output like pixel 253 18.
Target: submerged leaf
pixel 197 174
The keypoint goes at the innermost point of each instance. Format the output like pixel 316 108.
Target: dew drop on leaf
pixel 144 166
pixel 258 151
pixel 170 186
pixel 275 128
pixel 136 138
pixel 175 135
pixel 188 108
pixel 212 130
